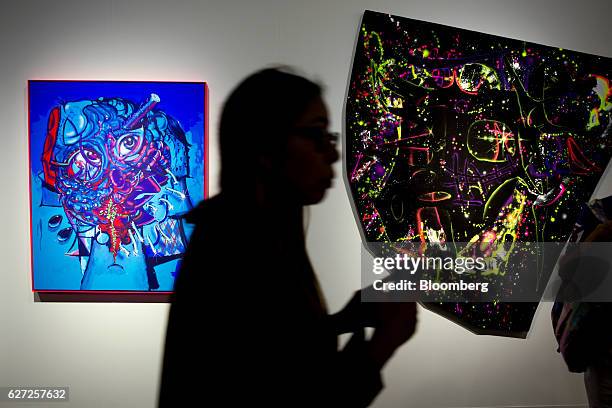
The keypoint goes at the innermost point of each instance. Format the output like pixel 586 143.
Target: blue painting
pixel 114 166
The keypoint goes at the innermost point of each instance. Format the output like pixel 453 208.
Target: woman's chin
pixel 315 196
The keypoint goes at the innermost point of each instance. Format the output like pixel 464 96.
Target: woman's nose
pixel 331 146
pixel 334 155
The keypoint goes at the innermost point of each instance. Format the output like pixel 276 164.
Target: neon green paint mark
pixel 593 119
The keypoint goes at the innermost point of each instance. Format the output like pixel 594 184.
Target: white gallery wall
pixel 109 354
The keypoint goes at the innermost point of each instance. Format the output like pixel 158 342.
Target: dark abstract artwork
pixel 463 137
pixel 114 166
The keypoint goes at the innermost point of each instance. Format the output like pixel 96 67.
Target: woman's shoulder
pixel 214 208
pixel 198 214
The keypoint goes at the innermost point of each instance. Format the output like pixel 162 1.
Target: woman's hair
pixel 256 121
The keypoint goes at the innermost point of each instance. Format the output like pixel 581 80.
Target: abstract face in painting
pixel 119 169
pixel 108 160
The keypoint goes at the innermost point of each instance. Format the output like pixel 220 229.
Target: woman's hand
pixel 393 322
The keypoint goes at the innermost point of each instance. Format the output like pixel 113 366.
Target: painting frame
pixel 169 120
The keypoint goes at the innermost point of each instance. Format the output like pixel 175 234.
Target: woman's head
pixel 273 132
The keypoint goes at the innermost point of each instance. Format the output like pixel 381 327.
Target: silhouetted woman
pixel 248 325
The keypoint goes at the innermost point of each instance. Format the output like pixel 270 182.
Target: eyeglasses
pixel 320 136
